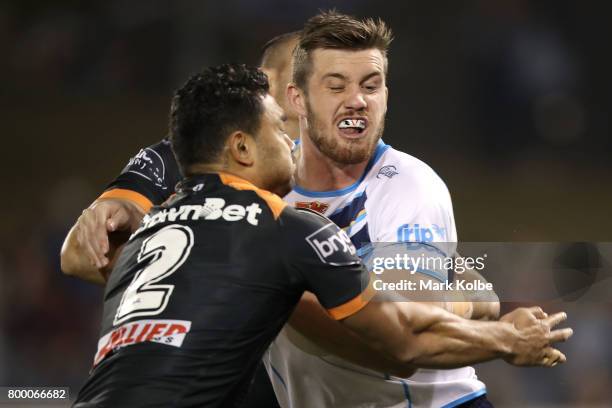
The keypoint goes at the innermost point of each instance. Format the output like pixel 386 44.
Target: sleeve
pixel 416 207
pixel 148 178
pixel 414 220
pixel 325 261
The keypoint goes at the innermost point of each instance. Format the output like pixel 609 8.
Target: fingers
pixel 93 236
pixel 86 245
pixel 555 319
pixel 552 357
pixel 557 336
pixel 538 312
pixel 118 220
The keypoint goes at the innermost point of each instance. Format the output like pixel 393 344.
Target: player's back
pixel 203 287
pixel 195 298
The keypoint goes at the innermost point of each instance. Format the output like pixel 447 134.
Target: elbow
pixel 404 356
pixel 402 370
pixel 404 364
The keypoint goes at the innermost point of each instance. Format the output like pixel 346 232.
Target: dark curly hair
pixel 210 106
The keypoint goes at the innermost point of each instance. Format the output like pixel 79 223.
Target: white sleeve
pixel 414 206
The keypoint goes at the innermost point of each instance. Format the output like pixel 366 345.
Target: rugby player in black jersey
pixel 149 178
pixel 209 278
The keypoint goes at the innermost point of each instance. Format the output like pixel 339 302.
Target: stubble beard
pixel 343 154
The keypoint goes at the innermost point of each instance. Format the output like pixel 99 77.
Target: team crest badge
pixel 313 205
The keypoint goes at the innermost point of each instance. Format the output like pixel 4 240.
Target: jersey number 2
pixel 166 251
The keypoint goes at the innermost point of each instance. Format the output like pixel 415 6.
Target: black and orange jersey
pixel 202 288
pixel 149 178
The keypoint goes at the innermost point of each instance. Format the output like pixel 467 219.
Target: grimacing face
pixel 346 103
pixel 274 159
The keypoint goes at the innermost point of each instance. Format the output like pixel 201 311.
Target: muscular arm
pixel 312 321
pixel 424 336
pixel 397 338
pixel 94 242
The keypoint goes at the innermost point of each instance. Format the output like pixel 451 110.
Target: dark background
pixel 507 100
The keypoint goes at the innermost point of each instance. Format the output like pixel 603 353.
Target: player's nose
pixel 355 99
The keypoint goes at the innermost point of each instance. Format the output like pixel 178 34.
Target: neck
pixel 198 169
pixel 317 172
pixel 292 129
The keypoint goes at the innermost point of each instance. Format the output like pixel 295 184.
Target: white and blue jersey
pixel 398 199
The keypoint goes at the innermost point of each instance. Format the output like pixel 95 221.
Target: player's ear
pixel 241 147
pixel 296 100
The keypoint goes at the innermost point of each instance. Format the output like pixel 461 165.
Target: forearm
pixel 430 337
pixel 452 342
pixel 313 322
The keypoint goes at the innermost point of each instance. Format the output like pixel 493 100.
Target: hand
pixel 524 316
pixel 96 222
pixel 535 336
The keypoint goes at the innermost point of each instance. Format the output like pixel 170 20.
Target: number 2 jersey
pixel 202 288
pixel 398 199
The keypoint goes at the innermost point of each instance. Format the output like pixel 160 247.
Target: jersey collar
pixel 381 147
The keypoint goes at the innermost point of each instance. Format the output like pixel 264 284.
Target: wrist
pixel 508 339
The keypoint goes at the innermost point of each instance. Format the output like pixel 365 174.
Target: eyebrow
pixel 344 78
pixel 371 75
pixel 334 75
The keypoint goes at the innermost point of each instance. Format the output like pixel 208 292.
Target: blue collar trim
pixel 380 149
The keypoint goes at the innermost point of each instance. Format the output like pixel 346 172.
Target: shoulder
pixel 303 218
pixel 407 168
pixel 273 202
pixel 315 233
pixel 399 173
pixel 157 154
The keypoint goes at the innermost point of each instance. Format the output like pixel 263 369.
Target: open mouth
pixel 352 127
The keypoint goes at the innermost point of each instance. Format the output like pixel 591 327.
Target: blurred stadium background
pixel 507 100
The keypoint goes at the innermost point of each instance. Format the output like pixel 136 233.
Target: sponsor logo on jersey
pixel 420 233
pixel 162 331
pixel 387 171
pixel 313 205
pixel 148 164
pixel 212 209
pixel 332 245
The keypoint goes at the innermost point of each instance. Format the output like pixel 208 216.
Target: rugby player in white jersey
pixel 374 192
pixel 336 175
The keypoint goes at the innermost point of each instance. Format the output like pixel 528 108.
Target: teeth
pixel 352 123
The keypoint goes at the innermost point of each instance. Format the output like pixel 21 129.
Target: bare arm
pixel 312 321
pixel 94 242
pixel 484 303
pixel 424 336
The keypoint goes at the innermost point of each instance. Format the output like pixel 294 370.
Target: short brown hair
pixel 333 30
pixel 272 53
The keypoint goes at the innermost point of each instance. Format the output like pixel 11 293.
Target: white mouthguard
pixel 352 123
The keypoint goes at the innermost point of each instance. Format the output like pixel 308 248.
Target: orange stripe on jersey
pixel 354 305
pixel 275 203
pixel 137 198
